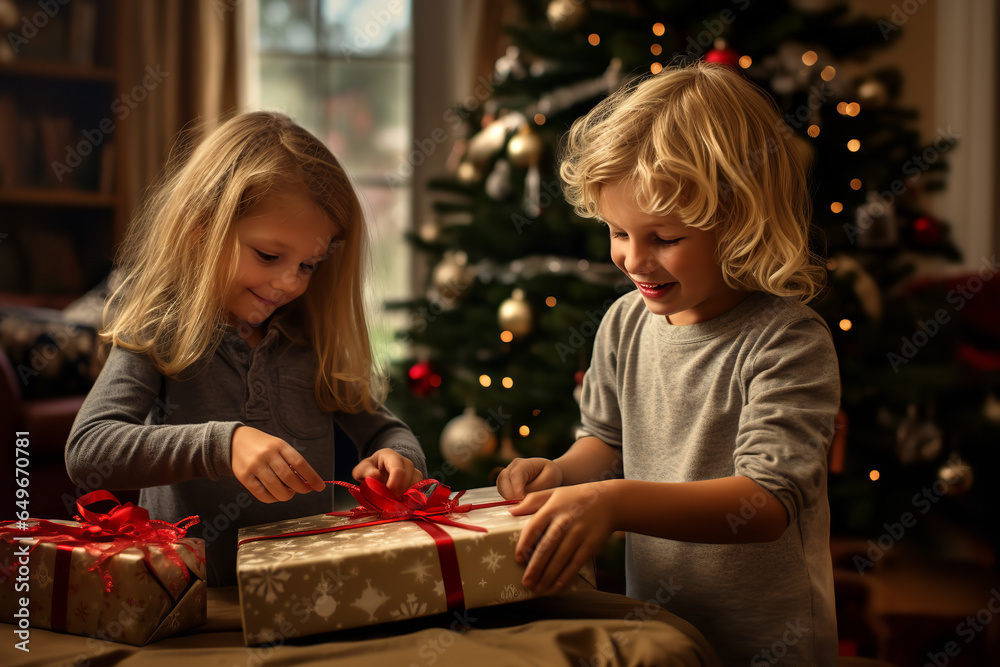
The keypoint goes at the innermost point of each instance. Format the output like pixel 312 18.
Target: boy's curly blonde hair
pixel 704 144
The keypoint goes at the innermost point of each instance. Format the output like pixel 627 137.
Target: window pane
pixel 366 28
pixel 288 25
pixel 367 114
pixel 289 84
pixel 388 214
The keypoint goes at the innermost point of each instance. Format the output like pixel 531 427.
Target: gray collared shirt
pixel 139 429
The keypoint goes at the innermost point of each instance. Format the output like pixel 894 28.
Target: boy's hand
pixel 570 526
pixel 389 467
pixel 270 468
pixel 526 475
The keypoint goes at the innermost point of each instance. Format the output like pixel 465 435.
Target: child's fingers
pixel 308 478
pixel 560 548
pixel 274 485
pixel 545 548
pixel 511 481
pixel 531 503
pixel 398 476
pixel 258 490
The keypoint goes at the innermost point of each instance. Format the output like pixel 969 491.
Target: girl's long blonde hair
pixel 181 255
pixel 704 144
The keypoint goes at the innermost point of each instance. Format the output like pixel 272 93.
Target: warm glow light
pixel 656 49
pixel 828 73
pixel 655 68
pixel 506 336
pixel 853 145
pixel 842 108
pixel 594 39
pixel 813 131
pixel 836 207
pixel 845 325
pixel 832 265
pixel 536 412
pixel 873 475
pixel 524 430
pixel 507 383
pixel 745 61
pixel 539 119
pixel 658 29
pixel 485 380
pixel 855 183
pixel 809 58
pixel 550 301
pixel 853 109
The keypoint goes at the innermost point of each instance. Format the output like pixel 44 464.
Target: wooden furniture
pixel 63 102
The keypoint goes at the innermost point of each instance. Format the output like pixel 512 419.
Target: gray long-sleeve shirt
pixel 753 392
pixel 139 429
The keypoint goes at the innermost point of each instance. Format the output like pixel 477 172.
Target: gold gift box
pixel 148 601
pixel 305 585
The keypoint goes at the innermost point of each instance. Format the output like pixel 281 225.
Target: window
pixel 342 69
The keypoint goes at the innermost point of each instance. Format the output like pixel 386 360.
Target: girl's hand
pixel 270 468
pixel 389 467
pixel 570 526
pixel 526 475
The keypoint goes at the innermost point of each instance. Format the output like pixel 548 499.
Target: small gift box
pixel 389 559
pixel 118 576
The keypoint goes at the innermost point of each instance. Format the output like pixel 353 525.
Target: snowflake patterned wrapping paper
pixel 305 585
pixel 148 601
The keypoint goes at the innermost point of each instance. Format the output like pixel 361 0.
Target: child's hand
pixel 570 526
pixel 389 467
pixel 270 468
pixel 527 475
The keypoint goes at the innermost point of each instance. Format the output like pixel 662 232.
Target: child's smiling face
pixel 281 242
pixel 673 265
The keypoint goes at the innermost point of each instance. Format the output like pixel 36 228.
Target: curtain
pixel 182 57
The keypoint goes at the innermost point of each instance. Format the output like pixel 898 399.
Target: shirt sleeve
pixel 787 425
pixel 373 431
pixel 111 443
pixel 600 415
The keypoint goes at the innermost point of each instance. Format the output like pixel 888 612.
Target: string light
pixel 655 68
pixel 745 61
pixel 656 49
pixel 853 109
pixel 813 131
pixel 809 58
pixel 507 383
pixel 524 430
pixel 658 29
pixel 836 207
pixel 594 39
pixel 485 380
pixel 828 73
pixel 536 412
pixel 506 336
pixel 873 475
pixel 550 301
pixel 845 325
pixel 853 145
pixel 842 108
pixel 539 119
pixel 855 183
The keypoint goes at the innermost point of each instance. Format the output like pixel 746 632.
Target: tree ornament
pixel 926 231
pixel 873 92
pixel 566 15
pixel 422 379
pixel 917 439
pixel 467 438
pixel 486 143
pixel 956 474
pixel 875 224
pixel 451 277
pixel 430 231
pixel 869 295
pixel 498 182
pixel 723 54
pixel 514 314
pixel 468 173
pixel 525 148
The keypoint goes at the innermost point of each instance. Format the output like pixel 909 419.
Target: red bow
pixel 106 535
pixel 376 500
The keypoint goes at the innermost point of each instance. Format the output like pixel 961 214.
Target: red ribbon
pixel 425 509
pixel 102 535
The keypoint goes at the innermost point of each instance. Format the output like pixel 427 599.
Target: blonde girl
pixel 239 340
pixel 710 400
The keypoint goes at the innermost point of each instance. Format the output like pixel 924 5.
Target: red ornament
pixel 422 379
pixel 578 376
pixel 927 231
pixel 724 54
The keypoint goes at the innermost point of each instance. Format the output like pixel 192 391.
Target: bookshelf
pixel 62 85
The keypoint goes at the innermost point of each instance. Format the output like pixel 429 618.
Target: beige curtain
pixel 185 55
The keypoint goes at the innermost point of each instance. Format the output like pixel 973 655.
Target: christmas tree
pixel 501 338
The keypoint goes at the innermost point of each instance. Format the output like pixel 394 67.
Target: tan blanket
pixel 577 629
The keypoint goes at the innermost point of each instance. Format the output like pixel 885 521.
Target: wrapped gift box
pixel 313 583
pixel 104 588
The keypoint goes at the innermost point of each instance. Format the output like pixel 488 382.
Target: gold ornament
pixel 468 174
pixel 467 438
pixel 486 143
pixel 514 315
pixel 873 92
pixel 451 277
pixel 565 15
pixel 956 474
pixel 525 148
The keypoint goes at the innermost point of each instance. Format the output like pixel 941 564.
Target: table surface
pixel 580 628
